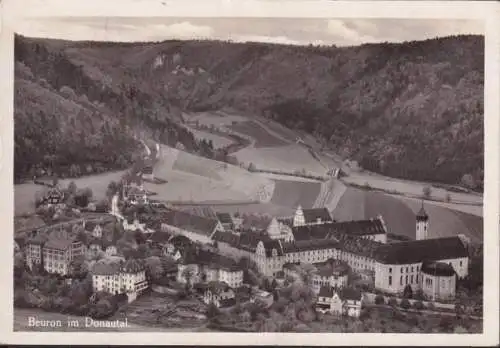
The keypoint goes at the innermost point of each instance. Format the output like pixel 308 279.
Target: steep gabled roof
pixel 326 291
pixel 353 228
pixel 348 293
pixel 189 222
pixel 439 269
pixel 312 215
pixel 225 218
pixel 421 250
pixel 105 268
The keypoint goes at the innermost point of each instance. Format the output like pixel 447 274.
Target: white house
pixel 345 301
pixel 219 294
pixel 118 278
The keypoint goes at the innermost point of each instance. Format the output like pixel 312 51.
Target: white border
pixel 487 11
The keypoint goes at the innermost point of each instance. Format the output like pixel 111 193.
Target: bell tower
pixel 422 223
pixel 298 219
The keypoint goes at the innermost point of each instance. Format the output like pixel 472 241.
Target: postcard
pixel 274 172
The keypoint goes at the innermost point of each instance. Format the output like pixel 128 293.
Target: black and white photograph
pixel 249 175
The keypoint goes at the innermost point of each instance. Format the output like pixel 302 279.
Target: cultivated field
pixel 215 119
pixel 288 158
pixel 292 193
pixel 408 187
pixel 262 137
pixel 193 178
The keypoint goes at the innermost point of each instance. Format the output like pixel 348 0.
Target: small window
pixel 390 280
pixel 406 269
pixel 390 270
pixel 460 263
pixel 401 280
pixel 401 269
pixel 406 280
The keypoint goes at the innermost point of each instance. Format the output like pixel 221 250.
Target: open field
pixel 413 188
pixel 194 178
pixel 24 194
pixel 256 208
pixel 292 193
pixel 216 119
pixel 399 214
pixel 288 158
pixel 476 210
pixel 262 137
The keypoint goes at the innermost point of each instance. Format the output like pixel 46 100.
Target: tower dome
pixel 422 214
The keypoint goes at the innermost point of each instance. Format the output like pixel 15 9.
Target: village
pixel 205 265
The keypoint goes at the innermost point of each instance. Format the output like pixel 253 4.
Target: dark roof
pixel 38 239
pixel 331 267
pixel 227 302
pixel 348 293
pixel 422 214
pixel 217 287
pixel 211 259
pixel 190 222
pixel 160 237
pixel 225 218
pixel 439 269
pixel 246 240
pixel 354 228
pixel 105 268
pixel 271 244
pixel 60 241
pixel 259 222
pixel 312 215
pixel 421 250
pixel 132 266
pixel 313 244
pixel 326 291
pixel 20 241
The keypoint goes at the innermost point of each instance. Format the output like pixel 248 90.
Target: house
pixel 59 250
pixel 94 248
pixel 345 301
pixel 309 217
pixel 111 250
pixel 438 281
pixel 333 273
pixel 33 250
pixel 219 294
pixel 226 220
pixel 119 277
pixel 133 224
pixel 134 193
pixel 206 266
pixel 97 231
pixel 196 228
pixel 54 196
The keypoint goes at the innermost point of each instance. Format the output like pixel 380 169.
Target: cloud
pixel 267 39
pixel 346 35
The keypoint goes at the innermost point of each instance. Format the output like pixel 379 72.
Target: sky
pixel 339 32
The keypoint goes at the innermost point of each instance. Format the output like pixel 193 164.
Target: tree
pixel 154 268
pixel 468 181
pixel 392 302
pixel 379 299
pixel 188 273
pixel 426 191
pixel 447 198
pixel 212 311
pixel 78 267
pixel 72 188
pixel 251 167
pixel 408 292
pixel 405 304
pixel 418 305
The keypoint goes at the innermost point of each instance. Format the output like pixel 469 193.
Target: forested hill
pixel 412 110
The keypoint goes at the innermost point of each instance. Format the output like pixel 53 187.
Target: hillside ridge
pixel 412 110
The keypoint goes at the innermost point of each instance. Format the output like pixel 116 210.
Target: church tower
pixel 298 219
pixel 422 224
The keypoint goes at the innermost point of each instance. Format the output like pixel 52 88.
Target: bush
pixel 430 306
pixel 379 299
pixel 392 302
pixel 418 305
pixel 405 304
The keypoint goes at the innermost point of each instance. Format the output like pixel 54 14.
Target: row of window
pixel 411 279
